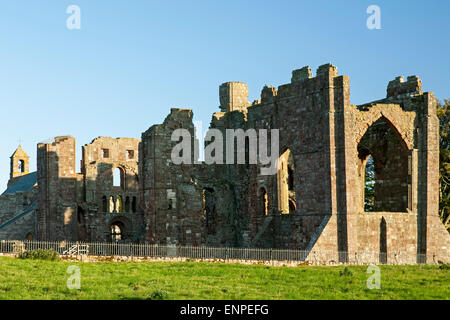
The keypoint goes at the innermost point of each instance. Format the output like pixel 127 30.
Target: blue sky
pixel 132 61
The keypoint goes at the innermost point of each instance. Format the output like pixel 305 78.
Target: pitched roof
pixel 24 183
pixel 19 152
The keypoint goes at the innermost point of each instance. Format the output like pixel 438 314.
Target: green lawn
pixel 34 279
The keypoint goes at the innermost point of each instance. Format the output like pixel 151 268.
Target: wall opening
pixel 21 166
pixel 209 210
pixel 117 231
pixel 292 206
pixel 112 205
pixel 104 204
pixel 119 178
pixel 285 183
pixel 82 229
pixel 369 183
pixel 119 204
pixel 80 215
pixel 383 169
pixel 134 205
pixel 127 204
pixel 263 201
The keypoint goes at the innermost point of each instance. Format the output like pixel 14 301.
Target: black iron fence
pixel 212 253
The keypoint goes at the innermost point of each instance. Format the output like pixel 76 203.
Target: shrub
pixel 444 266
pixel 346 272
pixel 158 295
pixel 40 254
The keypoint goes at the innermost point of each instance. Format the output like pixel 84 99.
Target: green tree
pixel 369 193
pixel 443 112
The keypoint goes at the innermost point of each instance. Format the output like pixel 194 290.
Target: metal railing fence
pixel 217 253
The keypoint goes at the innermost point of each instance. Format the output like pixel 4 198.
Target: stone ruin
pixel 314 202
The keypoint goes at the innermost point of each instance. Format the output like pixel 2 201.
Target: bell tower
pixel 20 164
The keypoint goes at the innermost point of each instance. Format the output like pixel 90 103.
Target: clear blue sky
pixel 134 60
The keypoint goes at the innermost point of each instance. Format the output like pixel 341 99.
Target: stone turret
pixel 233 96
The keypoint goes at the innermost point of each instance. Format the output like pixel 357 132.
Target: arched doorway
pixel 117 231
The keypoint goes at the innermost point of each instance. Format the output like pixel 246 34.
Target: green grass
pixel 35 279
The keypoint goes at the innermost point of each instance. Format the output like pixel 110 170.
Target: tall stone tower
pixel 57 178
pixel 20 164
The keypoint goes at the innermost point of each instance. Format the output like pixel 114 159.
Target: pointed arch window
pixel 383 162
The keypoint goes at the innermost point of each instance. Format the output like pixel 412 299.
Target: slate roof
pixel 24 183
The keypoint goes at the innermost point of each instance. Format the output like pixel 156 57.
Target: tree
pixel 443 113
pixel 369 192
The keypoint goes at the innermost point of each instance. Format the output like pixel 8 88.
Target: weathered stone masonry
pixel 328 141
pixel 315 201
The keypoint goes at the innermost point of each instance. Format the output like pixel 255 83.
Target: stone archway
pixel 119 230
pixel 382 144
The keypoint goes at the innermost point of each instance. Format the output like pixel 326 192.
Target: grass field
pixel 35 279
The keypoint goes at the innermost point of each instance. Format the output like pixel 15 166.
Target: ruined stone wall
pixel 83 206
pixel 170 198
pixel 303 111
pixel 239 218
pixel 408 181
pixel 399 232
pixel 233 96
pixel 105 203
pixel 329 141
pixel 314 201
pixel 12 205
pixel 57 180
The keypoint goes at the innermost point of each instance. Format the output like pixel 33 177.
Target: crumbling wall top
pixel 268 94
pixel 398 86
pixel 301 74
pixel 56 140
pixel 233 96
